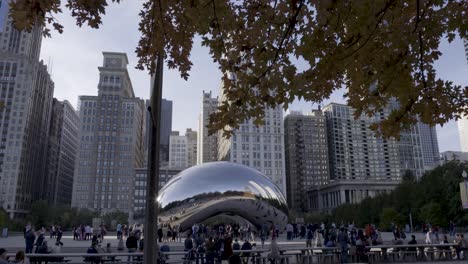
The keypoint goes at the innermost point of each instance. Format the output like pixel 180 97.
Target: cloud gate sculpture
pixel 221 190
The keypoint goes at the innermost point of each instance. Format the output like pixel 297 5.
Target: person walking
pixel 39 240
pixel 59 235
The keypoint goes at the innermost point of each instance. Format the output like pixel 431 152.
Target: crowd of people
pixel 215 243
pixel 220 241
pixel 86 232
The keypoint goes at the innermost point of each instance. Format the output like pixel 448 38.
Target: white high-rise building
pixel 191 147
pixel 111 140
pixel 261 148
pixel 463 122
pixel 463 133
pixel 177 151
pixel 207 144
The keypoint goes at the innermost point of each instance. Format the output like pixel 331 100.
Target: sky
pixel 74 57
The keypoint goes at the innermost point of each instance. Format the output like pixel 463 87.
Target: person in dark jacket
pixel 246 246
pixel 188 243
pixel 227 248
pixel 29 238
pixel 59 234
pixel 132 244
pixel 39 241
pixel 93 250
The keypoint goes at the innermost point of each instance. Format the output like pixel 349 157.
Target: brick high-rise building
pixel 306 151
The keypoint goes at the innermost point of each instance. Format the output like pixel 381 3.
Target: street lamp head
pixel 464 174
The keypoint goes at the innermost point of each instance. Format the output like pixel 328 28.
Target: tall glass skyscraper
pixel 25 107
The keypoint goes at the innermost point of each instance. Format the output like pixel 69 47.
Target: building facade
pixel 111 140
pixel 463 132
pixel 207 144
pixel 178 157
pixel 355 151
pixel 166 128
pixel 61 153
pixel 25 106
pixel 448 156
pixel 327 197
pixel 141 175
pixel 306 155
pixel 191 147
pixel 261 148
pixel 362 164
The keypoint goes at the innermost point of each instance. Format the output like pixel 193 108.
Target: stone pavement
pixel 15 242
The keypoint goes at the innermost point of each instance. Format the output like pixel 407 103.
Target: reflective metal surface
pixel 221 188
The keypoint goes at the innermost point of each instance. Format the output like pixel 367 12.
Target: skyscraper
pixel 191 147
pixel 207 144
pixel 177 151
pixel 463 132
pixel 364 165
pixel 166 128
pixel 306 151
pixel 25 105
pixel 261 148
pixel 355 151
pixel 463 122
pixel 111 140
pixel 61 154
pixel 361 164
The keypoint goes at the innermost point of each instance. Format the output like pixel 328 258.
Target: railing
pixel 302 255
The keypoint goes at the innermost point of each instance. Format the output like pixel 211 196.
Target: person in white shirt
pixel 429 237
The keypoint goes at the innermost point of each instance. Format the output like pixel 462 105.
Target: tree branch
pixel 292 24
pixel 382 15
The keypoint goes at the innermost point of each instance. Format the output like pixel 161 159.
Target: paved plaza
pixel 15 242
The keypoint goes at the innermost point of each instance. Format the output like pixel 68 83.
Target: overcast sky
pixel 75 55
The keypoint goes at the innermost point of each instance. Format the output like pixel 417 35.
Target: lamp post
pixel 151 249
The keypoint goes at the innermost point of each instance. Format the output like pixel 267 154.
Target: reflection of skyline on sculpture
pixel 221 188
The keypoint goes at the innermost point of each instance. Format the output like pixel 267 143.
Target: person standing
pixel 119 231
pixel 429 237
pixel 87 232
pixel 343 240
pixel 309 237
pixel 132 244
pixel 29 238
pixel 246 246
pixel 289 231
